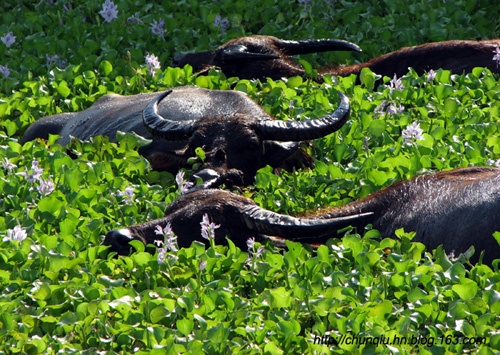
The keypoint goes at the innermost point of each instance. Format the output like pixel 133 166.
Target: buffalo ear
pixel 275 153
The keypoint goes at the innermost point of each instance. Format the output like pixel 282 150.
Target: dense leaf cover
pixel 61 292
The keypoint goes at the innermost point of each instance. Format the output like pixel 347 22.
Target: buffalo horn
pixel 315 46
pixel 240 52
pixel 163 128
pixel 307 129
pixel 274 224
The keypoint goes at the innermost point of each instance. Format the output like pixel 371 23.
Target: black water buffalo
pixel 237 135
pixel 259 57
pixel 458 209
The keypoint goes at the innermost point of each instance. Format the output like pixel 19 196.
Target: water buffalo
pixel 259 57
pixel 237 135
pixel 457 208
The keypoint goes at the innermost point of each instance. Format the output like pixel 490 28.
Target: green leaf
pixel 185 326
pixel 381 310
pixel 307 66
pixel 218 334
pixel 158 313
pixel 42 293
pixel 466 289
pixel 50 204
pixel 68 318
pixel 323 254
pixel 377 127
pixel 106 67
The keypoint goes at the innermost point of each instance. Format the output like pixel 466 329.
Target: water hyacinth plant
pixel 8 39
pixel 62 292
pixel 18 234
pixel 109 11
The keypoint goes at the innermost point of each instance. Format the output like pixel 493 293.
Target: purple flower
pixel 134 19
pixel 183 185
pixel 35 174
pixel 157 28
pixel 208 228
pixel 222 23
pixel 128 194
pixel 170 240
pixel 5 70
pixel 392 109
pixel 17 234
pixel 109 11
pixel 203 264
pixel 412 133
pixel 250 245
pixel 162 253
pixel 496 57
pixel 395 84
pixel 46 187
pixel 51 59
pixel 7 164
pixel 432 74
pixel 493 162
pixel 379 110
pixel 8 39
pixel 153 64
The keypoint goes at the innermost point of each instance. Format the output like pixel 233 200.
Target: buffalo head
pixel 239 144
pixel 237 135
pixel 456 209
pixel 239 218
pixel 259 57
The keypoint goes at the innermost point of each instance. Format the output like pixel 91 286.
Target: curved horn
pixel 274 224
pixel 163 128
pixel 307 129
pixel 316 46
pixel 240 52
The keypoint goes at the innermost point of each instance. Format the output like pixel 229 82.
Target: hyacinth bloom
pixel 109 11
pixel 4 70
pixel 395 84
pixel 250 245
pixel 18 234
pixel 157 27
pixel 208 228
pixel 170 242
pixel 46 187
pixel 431 75
pixel 496 57
pixel 153 63
pixel 162 253
pixel 8 39
pixel 7 165
pixel 412 133
pixel 183 185
pixel 203 264
pixel 222 23
pixel 35 174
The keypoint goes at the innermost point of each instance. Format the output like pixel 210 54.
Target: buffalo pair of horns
pixel 284 131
